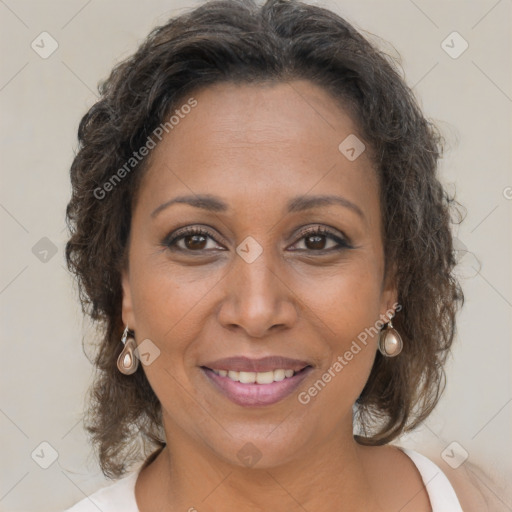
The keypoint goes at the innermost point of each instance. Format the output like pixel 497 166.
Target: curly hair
pixel 241 42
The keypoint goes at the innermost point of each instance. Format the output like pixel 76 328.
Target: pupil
pixel 195 244
pixel 318 242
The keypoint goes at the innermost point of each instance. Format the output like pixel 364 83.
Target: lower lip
pixel 256 394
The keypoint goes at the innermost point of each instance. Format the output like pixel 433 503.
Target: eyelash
pixel 171 240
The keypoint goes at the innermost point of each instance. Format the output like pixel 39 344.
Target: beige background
pixel 44 371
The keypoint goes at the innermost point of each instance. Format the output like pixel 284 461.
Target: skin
pixel 257 147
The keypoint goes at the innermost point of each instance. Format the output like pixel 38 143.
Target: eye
pixel 315 239
pixel 194 240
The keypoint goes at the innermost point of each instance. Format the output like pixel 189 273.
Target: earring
pixel 390 342
pixel 127 363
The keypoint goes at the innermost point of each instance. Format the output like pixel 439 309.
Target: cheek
pixel 347 307
pixel 347 299
pixel 167 308
pixel 169 302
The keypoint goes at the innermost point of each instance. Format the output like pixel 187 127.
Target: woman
pixel 257 224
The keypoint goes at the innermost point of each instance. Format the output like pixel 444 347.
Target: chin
pixel 264 449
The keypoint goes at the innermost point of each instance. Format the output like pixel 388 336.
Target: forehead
pixel 259 143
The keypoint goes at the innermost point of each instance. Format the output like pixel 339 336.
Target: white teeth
pixel 279 375
pixel 233 375
pixel 246 377
pixel 264 377
pixel 256 377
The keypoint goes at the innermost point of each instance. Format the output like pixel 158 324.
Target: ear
pixel 127 303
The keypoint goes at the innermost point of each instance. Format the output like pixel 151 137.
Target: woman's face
pixel 257 285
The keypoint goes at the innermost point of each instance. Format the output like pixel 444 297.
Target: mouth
pixel 251 382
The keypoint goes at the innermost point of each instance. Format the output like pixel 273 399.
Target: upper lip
pixel 264 364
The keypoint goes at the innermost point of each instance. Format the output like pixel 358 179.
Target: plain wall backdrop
pixel 45 373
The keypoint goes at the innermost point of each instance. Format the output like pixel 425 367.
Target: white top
pixel 120 496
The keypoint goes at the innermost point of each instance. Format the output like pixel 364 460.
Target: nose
pixel 256 297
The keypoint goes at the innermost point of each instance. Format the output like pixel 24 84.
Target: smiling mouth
pixel 258 389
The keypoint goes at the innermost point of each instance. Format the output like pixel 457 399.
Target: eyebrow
pixel 298 204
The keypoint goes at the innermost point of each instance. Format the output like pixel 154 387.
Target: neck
pixel 324 476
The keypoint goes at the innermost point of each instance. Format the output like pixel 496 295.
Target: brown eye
pixel 194 240
pixel 317 240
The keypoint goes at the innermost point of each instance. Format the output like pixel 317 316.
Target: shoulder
pixel 115 496
pixel 476 489
pixel 395 479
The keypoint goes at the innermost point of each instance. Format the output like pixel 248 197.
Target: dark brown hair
pixel 242 42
